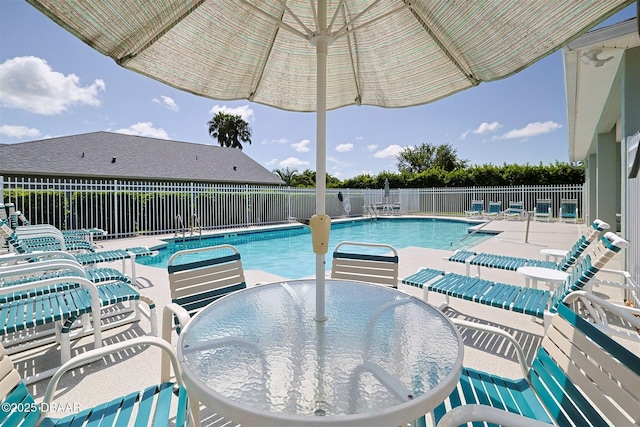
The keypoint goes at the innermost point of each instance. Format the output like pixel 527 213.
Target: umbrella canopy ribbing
pixel 389 53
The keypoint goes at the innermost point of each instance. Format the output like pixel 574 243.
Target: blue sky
pixel 52 84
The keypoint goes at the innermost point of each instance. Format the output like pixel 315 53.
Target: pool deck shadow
pixel 138 368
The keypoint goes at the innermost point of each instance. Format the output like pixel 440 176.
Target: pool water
pixel 287 251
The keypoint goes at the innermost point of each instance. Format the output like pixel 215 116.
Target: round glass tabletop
pixel 258 357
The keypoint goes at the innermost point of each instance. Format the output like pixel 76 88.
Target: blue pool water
pixel 287 251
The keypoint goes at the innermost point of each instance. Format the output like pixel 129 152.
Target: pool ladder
pixel 181 227
pixel 371 211
pixel 195 225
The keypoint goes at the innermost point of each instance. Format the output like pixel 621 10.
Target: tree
pixel 446 157
pixel 230 130
pixel 419 158
pixel 415 160
pixel 286 175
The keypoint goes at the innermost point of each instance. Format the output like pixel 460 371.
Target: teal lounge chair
pixel 84 233
pixel 23 307
pixel 164 404
pixel 52 291
pixel 542 212
pixel 569 210
pixel 505 262
pixel 87 259
pixel 579 376
pixel 535 302
pixel 476 209
pixel 514 211
pixel 44 236
pixel 494 211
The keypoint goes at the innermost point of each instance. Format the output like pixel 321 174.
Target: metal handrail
pixel 180 226
pixel 196 225
pixel 526 214
pixel 373 213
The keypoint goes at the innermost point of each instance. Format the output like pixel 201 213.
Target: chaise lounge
pixel 505 262
pixel 535 302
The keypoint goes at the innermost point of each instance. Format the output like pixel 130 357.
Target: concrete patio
pixel 140 367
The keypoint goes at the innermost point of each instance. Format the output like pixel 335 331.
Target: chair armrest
pixel 626 313
pixel 13 258
pixel 522 360
pixel 628 282
pixel 96 354
pixel 43 266
pixel 470 413
pixel 170 310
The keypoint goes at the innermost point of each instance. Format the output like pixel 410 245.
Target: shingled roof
pixel 115 155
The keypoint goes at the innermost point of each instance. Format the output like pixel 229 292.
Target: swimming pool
pixel 287 251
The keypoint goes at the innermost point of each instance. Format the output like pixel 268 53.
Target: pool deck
pixel 139 368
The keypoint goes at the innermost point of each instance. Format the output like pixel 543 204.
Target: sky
pixel 52 85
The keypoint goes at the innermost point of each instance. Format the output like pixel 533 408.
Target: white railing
pixel 631 225
pixel 127 208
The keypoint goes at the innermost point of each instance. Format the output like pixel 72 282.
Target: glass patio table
pixel 258 357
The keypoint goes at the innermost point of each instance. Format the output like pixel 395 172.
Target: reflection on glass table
pixel 259 358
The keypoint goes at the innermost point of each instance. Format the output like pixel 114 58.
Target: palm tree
pixel 230 130
pixel 286 175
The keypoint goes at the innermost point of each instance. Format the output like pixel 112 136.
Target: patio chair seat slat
pixel 163 402
pixel 423 275
pixel 116 292
pixel 19 396
pixel 462 256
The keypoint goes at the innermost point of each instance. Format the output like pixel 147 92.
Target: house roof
pixel 591 69
pixel 115 155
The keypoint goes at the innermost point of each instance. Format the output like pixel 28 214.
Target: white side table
pixel 556 254
pixel 533 274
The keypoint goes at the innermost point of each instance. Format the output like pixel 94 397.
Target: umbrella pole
pixel 321 148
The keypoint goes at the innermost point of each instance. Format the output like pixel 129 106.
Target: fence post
pixel 116 223
pixel 288 202
pixel 246 204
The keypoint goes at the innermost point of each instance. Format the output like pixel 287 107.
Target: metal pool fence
pixel 128 208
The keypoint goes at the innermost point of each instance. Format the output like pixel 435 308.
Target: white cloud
pixel 343 148
pixel 28 83
pixel 372 147
pixel 14 131
pixel 389 152
pixel 271 162
pixel 487 127
pixel 293 161
pixel 531 130
pixel 144 129
pixel 167 103
pixel 482 129
pixel 302 146
pixel 245 111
